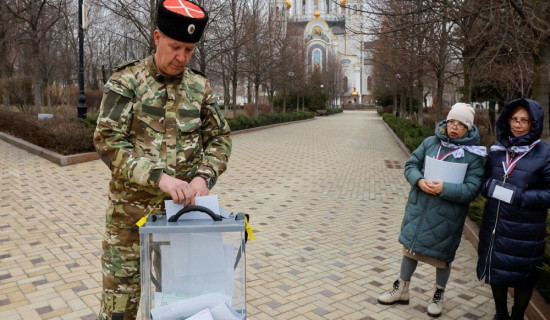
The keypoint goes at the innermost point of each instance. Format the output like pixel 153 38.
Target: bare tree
pixel 7 41
pixel 36 19
pixel 290 64
pixel 262 48
pixel 535 14
pixel 334 76
pixel 139 14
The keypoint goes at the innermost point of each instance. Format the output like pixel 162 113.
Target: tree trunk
pixel 439 95
pixel 284 102
pixel 402 102
pixel 103 74
pixel 37 79
pixel 420 118
pixel 394 107
pixel 271 107
pixel 467 88
pixel 541 82
pixel 492 114
pixel 226 97
pixel 234 92
pixel 256 98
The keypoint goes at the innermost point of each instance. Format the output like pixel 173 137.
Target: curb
pixel 397 140
pixel 538 308
pixel 47 154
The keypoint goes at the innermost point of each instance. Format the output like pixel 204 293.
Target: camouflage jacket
pixel 150 123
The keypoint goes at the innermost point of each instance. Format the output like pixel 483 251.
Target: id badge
pixel 501 191
pixel 503 194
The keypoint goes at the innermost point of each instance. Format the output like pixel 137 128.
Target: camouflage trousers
pixel 121 269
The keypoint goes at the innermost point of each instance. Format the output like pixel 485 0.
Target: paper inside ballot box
pixel 189 274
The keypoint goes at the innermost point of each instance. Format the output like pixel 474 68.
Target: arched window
pixel 328 6
pixel 303 6
pixel 316 59
pixel 345 84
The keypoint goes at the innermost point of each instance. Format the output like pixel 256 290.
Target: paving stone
pixel 328 195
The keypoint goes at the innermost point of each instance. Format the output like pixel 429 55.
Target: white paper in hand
pixel 211 202
pixel 439 170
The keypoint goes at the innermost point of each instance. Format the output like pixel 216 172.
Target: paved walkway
pixel 328 194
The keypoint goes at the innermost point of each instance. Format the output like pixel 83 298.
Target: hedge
pixel 244 122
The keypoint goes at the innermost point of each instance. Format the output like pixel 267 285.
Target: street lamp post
pixel 81 108
pixel 322 86
pixel 396 88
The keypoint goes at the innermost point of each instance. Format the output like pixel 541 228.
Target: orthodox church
pixel 335 28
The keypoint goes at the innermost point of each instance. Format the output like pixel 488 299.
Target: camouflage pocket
pixel 150 131
pixel 188 120
pixel 216 113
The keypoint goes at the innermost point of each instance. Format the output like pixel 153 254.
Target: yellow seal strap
pixel 248 229
pixel 144 218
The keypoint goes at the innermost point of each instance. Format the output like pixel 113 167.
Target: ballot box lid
pixel 230 223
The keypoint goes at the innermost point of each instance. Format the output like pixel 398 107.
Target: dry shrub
pixel 20 92
pixel 481 120
pixel 64 136
pixel 69 96
pixel 262 109
pixel 483 123
pixel 93 100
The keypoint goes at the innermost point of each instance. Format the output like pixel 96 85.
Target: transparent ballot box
pixel 193 268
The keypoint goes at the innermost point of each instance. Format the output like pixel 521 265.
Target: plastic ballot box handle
pixel 209 212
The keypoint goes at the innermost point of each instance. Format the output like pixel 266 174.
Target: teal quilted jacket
pixel 433 225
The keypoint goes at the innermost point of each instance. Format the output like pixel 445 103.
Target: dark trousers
pixel 522 296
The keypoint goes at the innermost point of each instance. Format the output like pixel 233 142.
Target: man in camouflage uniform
pixel 163 136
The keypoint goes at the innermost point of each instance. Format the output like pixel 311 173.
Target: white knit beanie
pixel 462 112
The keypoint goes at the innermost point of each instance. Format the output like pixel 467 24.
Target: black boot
pixel 516 315
pixel 500 316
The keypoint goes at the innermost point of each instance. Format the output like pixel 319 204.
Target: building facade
pixel 335 29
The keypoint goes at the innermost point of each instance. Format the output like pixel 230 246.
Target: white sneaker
pixel 436 305
pixel 399 293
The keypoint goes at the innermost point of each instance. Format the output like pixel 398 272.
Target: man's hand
pixel 199 186
pixel 179 190
pixel 182 191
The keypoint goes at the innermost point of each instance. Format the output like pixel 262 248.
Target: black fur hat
pixel 181 20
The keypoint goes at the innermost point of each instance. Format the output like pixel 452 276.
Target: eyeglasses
pixel 522 121
pixel 457 124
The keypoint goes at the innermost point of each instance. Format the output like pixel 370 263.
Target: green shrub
pixel 243 122
pixel 334 110
pixel 409 132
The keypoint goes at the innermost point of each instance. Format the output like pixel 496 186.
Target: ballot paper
pixel 181 309
pixel 444 171
pixel 211 202
pixel 204 314
pixel 182 276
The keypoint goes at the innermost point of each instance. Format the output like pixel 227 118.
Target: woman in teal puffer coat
pixel 435 212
